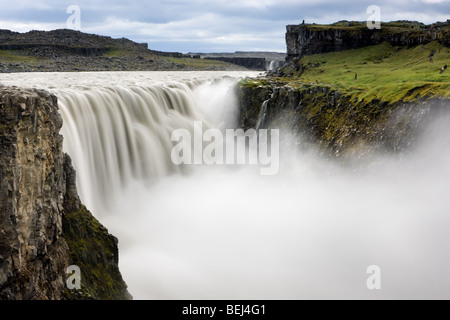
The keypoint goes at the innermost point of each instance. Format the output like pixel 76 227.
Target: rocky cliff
pixel 258 64
pixel 308 39
pixel 253 60
pixel 348 89
pixel 43 226
pixel 334 123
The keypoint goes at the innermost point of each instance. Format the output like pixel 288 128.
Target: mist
pixel 309 232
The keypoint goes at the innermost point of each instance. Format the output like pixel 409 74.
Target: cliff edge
pixel 43 226
pixel 309 39
pixel 349 90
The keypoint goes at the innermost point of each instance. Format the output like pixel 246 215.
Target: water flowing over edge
pixel 310 232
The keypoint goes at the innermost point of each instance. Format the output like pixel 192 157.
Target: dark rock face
pixel 95 251
pixel 304 39
pixel 33 252
pixel 37 191
pixel 71 200
pixel 258 64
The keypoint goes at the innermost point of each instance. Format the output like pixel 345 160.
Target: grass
pixel 383 72
pixel 198 63
pixel 389 27
pixel 255 82
pixel 21 58
pixel 187 62
pixel 115 53
pixel 11 56
pixel 320 27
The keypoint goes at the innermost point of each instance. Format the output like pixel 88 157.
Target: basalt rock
pixel 308 39
pixel 333 122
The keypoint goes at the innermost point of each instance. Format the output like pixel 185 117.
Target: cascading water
pixel 273 65
pixel 262 115
pixel 119 134
pixel 219 232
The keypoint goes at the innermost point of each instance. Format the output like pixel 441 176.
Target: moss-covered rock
pixel 252 93
pixel 94 250
pixel 338 123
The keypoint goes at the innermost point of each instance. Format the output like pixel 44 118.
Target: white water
pixel 229 233
pixel 273 65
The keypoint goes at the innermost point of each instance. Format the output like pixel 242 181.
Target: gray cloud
pixel 204 25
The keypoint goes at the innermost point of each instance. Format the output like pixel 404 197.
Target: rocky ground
pixel 69 50
pixel 105 63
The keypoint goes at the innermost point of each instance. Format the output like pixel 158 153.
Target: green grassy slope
pixel 319 96
pixel 11 56
pixel 383 72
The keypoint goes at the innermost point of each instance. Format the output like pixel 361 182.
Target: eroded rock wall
pixel 305 39
pixel 33 254
pixel 335 123
pixel 41 213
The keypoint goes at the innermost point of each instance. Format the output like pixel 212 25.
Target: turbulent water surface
pixel 226 232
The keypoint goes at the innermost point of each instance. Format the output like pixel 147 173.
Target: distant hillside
pixel 69 50
pixel 255 60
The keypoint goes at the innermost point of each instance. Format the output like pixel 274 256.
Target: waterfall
pixel 262 115
pixel 117 126
pixel 219 232
pixel 117 134
pixel 273 65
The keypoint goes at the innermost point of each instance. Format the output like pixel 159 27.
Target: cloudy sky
pixel 208 25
